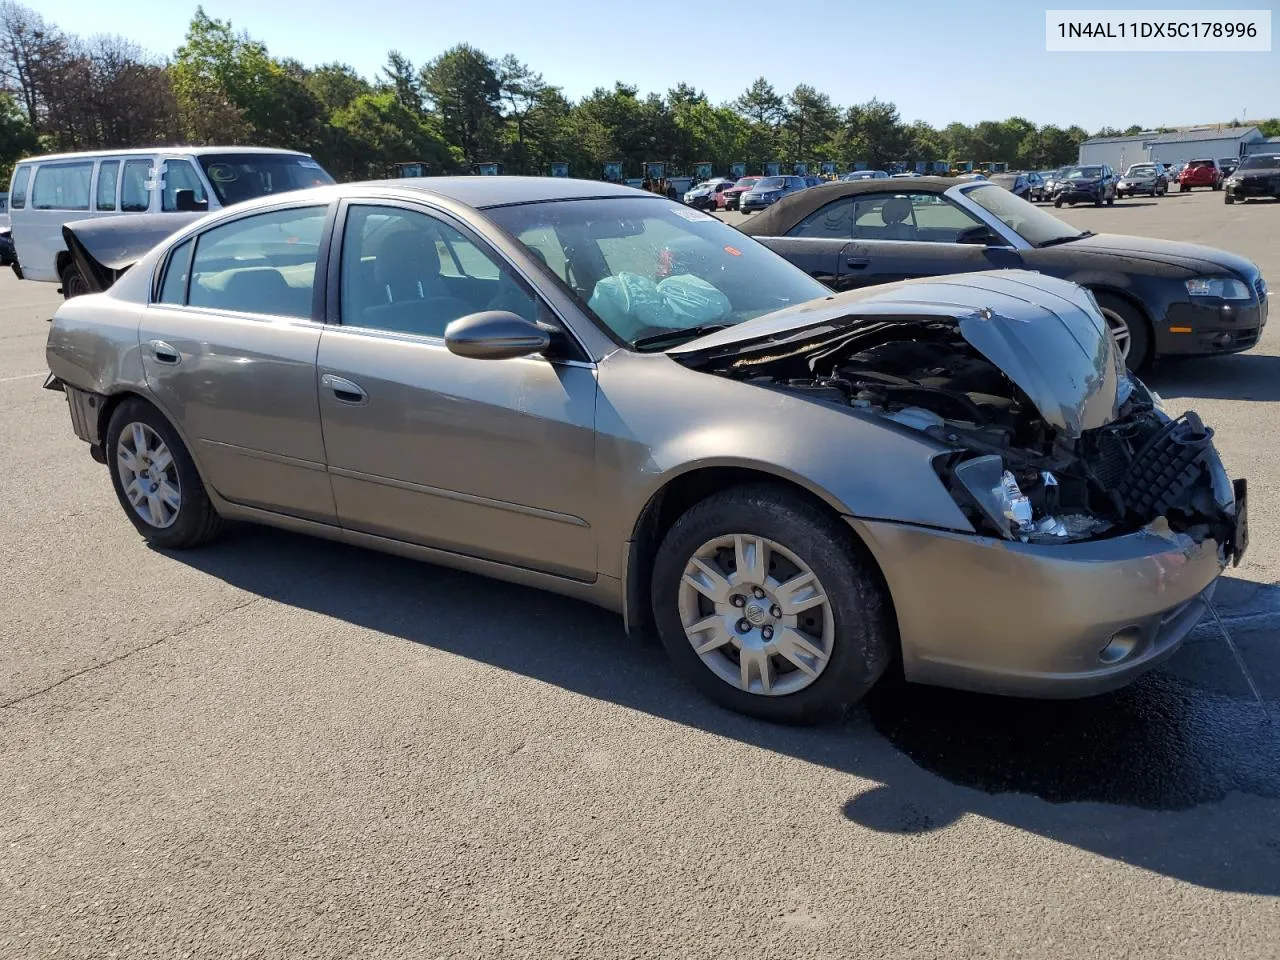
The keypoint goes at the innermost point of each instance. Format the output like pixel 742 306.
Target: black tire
pixel 1217 186
pixel 1139 329
pixel 1111 202
pixel 1057 203
pixel 73 282
pixel 1228 198
pixel 197 521
pixel 1183 189
pixel 864 637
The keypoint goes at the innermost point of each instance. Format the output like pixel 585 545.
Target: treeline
pixel 464 107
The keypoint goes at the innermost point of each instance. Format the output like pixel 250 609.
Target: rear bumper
pixel 1055 621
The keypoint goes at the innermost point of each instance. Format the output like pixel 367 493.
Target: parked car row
pixel 596 391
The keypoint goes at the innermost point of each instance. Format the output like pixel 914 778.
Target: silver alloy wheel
pixel 1119 328
pixel 756 614
pixel 148 475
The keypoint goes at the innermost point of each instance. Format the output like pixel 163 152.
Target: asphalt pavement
pixel 281 747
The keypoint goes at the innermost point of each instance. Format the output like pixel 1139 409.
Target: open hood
pixel 1046 335
pixel 106 247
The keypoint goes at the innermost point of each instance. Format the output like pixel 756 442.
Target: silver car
pixel 608 395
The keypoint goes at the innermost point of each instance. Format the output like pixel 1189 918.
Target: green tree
pixel 401 76
pixel 335 86
pixel 811 120
pixel 463 88
pixel 521 91
pixel 761 104
pixel 17 138
pixel 377 130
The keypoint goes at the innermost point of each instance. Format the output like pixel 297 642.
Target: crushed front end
pixel 1100 523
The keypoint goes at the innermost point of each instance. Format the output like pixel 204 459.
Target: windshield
pixel 1084 173
pixel 237 177
pixel 1025 219
pixel 747 182
pixel 1142 170
pixel 646 267
pixel 1259 163
pixel 1200 163
pixel 772 183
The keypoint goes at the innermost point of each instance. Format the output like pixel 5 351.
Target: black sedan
pixel 1160 298
pixel 1257 176
pixel 1094 184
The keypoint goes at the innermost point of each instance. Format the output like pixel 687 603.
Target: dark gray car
pixel 581 388
pixel 1160 298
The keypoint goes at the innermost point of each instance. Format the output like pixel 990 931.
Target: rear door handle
pixel 165 353
pixel 858 263
pixel 344 390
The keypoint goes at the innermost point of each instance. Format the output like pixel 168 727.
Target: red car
pixel 728 199
pixel 1200 173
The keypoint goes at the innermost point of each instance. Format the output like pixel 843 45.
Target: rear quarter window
pixel 62 186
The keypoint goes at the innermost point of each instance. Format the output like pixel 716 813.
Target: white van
pixel 46 192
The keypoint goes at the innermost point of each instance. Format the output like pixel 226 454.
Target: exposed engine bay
pixel 1013 473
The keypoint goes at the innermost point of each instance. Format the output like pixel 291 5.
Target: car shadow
pixel 1104 774
pixel 1242 376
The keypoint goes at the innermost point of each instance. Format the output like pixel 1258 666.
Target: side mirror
pixel 186 202
pixel 979 236
pixel 495 335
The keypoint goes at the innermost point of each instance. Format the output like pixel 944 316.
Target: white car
pixel 47 192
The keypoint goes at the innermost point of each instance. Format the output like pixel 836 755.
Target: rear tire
pixel 139 436
pixel 1057 203
pixel 73 282
pixel 1228 198
pixel 850 626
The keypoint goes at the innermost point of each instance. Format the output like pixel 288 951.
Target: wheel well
pixel 108 407
pixel 61 260
pixel 671 502
pixel 1131 301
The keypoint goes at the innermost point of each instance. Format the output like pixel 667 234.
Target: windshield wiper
pixel 1057 240
pixel 688 333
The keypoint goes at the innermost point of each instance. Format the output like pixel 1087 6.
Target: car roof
pixel 482 192
pixel 148 151
pixel 799 205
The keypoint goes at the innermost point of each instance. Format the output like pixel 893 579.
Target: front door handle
pixel 858 263
pixel 344 390
pixel 165 353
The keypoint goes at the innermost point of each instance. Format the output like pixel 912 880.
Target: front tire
pixel 764 602
pixel 1228 198
pixel 156 480
pixel 1129 327
pixel 1057 203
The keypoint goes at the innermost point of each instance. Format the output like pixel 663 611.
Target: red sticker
pixel 733 251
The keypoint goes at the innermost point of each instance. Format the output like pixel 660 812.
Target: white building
pixel 1177 147
pixel 1214 142
pixel 1269 145
pixel 1118 152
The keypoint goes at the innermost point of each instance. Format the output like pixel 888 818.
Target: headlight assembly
pixel 1224 288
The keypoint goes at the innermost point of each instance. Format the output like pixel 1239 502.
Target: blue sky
pixel 936 61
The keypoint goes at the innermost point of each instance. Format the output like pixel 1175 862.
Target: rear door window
pixel 263 264
pixel 135 191
pixel 62 186
pixel 18 189
pixel 108 179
